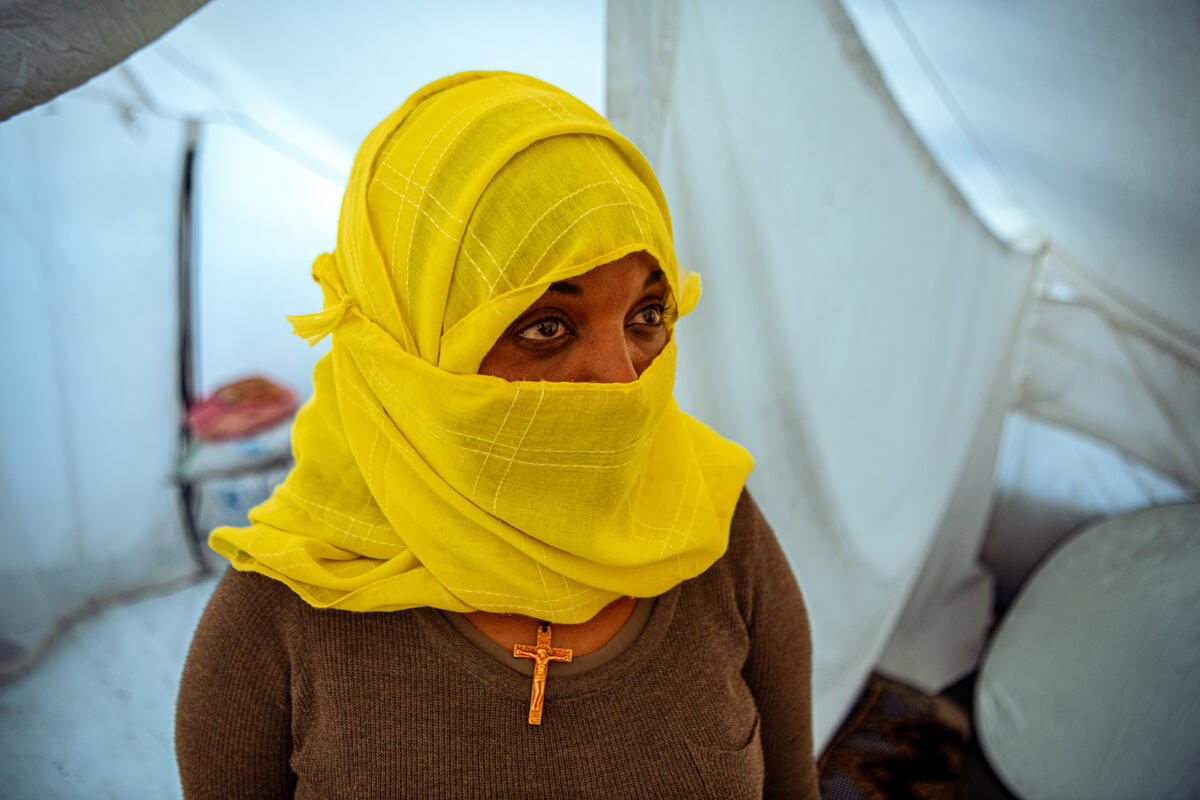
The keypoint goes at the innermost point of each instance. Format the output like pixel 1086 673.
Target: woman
pixel 505 564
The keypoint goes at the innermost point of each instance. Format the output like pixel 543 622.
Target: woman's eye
pixel 650 315
pixel 546 329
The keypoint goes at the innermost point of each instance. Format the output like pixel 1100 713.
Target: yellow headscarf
pixel 420 483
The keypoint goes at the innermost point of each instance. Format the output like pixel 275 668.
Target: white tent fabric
pixel 89 409
pixel 1069 128
pixel 858 328
pixel 1069 122
pixel 1132 377
pixel 90 269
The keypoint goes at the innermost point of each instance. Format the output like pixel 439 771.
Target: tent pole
pixel 186 339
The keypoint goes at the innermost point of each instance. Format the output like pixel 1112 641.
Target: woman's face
pixel 604 326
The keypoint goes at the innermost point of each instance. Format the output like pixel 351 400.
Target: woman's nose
pixel 609 360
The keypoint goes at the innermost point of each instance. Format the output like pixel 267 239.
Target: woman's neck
pixel 582 638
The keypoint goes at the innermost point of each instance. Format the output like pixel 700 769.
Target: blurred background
pixel 952 305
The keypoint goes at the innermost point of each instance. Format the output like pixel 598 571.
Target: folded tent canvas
pixel 923 374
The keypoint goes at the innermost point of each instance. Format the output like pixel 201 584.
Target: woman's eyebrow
pixel 564 287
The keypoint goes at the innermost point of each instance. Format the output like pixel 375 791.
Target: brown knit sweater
pixel 712 699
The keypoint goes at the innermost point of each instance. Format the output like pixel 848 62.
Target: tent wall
pixel 88 216
pixel 248 284
pixel 1097 167
pixel 89 509
pixel 1068 122
pixel 859 325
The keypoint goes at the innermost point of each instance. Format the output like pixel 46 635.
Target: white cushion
pixel 1090 687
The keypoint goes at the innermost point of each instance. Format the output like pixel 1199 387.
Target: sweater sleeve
pixel 778 669
pixel 233 715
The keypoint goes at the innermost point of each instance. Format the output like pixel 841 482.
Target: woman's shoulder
pixel 751 538
pixel 237 586
pixel 248 600
pixel 755 561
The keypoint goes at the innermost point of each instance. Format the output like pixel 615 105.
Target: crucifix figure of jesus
pixel 542 654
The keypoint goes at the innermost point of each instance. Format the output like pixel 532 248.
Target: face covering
pixel 418 482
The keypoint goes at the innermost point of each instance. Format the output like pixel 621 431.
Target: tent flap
pixel 1099 363
pixel 47 48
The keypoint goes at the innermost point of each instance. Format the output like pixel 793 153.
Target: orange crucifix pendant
pixel 542 654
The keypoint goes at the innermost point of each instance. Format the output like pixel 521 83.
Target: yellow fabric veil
pixel 421 483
